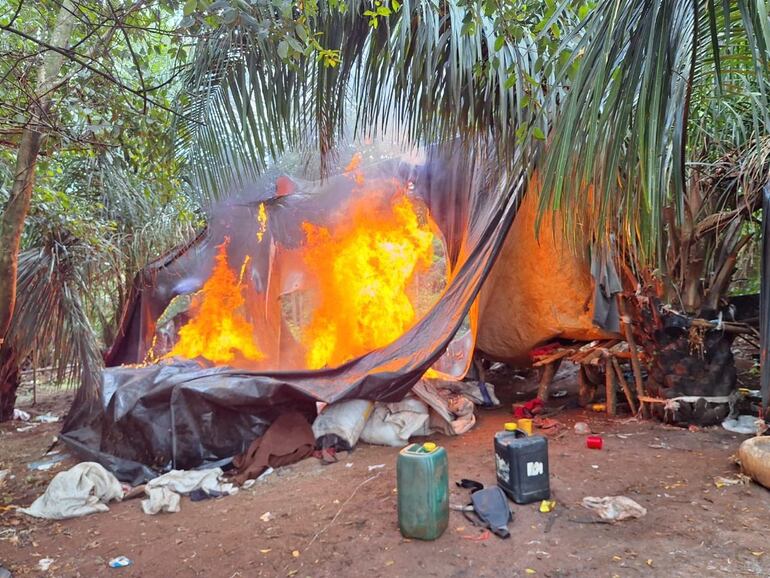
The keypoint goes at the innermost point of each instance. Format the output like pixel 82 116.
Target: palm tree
pixel 657 108
pixel 77 267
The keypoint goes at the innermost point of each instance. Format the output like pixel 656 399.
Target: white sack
pixel 392 424
pixel 345 419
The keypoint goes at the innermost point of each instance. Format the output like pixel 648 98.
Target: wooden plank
pixel 547 378
pixel 609 384
pixel 624 385
pixel 626 320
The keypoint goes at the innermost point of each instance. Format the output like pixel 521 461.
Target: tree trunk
pixel 9 382
pixel 15 212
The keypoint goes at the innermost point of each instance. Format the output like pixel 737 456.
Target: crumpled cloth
pixel 607 285
pixel 163 492
pixel 453 413
pixel 186 481
pixel 160 500
pixel 289 439
pixel 83 489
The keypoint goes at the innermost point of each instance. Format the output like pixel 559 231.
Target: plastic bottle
pixel 422 478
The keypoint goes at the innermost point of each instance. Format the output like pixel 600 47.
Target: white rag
pixel 160 500
pixel 83 489
pixel 163 492
pixel 186 481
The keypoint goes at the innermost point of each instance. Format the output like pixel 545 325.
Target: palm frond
pixel 429 71
pixel 657 83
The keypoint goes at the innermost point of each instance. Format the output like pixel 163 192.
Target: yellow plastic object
pixel 429 446
pixel 599 407
pixel 547 506
pixel 510 426
pixel 525 425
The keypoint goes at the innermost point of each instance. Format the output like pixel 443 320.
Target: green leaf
pixel 538 133
pixel 499 43
pixel 283 49
pixel 189 7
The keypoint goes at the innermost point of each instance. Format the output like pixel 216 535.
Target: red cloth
pixel 543 350
pixel 530 409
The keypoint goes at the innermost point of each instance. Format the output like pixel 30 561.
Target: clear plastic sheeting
pixel 299 291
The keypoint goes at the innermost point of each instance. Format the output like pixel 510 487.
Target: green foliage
pixel 109 195
pixel 656 89
pixel 436 70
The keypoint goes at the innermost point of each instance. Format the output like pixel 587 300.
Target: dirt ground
pixel 340 520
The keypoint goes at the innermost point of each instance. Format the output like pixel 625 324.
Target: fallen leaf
pixel 757 554
pixel 295 553
pixel 530 571
pixel 617 558
pixel 389 563
pixel 649 562
pixel 460 529
pixel 265 550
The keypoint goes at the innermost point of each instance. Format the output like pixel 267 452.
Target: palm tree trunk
pixel 15 212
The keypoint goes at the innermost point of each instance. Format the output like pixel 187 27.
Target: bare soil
pixel 340 520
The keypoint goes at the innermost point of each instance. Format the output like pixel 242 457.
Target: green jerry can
pixel 422 479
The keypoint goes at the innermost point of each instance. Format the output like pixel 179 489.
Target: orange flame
pixel 219 331
pixel 364 269
pixel 262 221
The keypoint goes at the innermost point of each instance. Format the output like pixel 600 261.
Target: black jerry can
pixel 521 462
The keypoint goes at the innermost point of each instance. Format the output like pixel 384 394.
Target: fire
pixel 262 222
pixel 219 331
pixel 364 268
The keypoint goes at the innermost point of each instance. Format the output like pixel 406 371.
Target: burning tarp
pixel 348 288
pixel 352 287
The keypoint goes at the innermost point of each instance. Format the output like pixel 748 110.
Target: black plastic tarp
pixel 149 419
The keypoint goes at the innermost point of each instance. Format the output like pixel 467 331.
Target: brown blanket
pixel 289 439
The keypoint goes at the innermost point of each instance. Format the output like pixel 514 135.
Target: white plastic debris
pixel 20 415
pixel 743 424
pixel 376 467
pixel 47 418
pixel 264 474
pixel 581 428
pixel 44 564
pixel 119 562
pixel 614 508
pixel 266 517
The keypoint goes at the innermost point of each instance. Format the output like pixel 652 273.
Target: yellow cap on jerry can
pixel 429 446
pixel 511 426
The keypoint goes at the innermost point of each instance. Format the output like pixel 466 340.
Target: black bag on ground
pixel 490 506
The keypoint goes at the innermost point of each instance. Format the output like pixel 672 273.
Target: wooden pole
pixel 585 388
pixel 635 365
pixel 609 384
pixel 549 371
pixel 624 385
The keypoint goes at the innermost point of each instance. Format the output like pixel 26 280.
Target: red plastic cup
pixel 594 442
